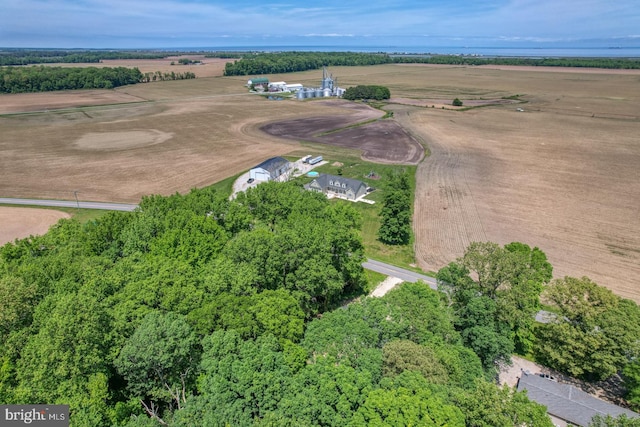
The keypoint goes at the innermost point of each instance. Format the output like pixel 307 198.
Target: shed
pixel 263 81
pixel 271 169
pixel 338 186
pixel 294 87
pixel 567 402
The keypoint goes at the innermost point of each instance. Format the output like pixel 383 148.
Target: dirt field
pixel 208 67
pixel 563 175
pixel 18 223
pixel 381 141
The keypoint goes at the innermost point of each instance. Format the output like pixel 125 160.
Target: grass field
pixel 563 175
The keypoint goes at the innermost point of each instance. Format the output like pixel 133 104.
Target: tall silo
pixel 327 79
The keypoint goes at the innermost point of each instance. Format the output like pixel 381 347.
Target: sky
pixel 217 23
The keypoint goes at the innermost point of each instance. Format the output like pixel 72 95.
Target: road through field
pixel 69 204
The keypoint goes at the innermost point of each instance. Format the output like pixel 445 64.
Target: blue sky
pixel 214 23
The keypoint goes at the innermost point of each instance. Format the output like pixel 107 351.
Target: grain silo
pixel 327 79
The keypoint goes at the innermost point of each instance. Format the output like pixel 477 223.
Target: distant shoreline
pixel 620 52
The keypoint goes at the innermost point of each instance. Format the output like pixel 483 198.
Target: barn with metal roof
pixel 271 169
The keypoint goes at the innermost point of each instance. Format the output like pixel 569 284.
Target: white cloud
pixel 533 21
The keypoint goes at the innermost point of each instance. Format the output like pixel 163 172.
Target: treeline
pixel 152 76
pixel 395 216
pixel 611 63
pixel 200 310
pixel 288 62
pixel 74 56
pixel 367 92
pixel 225 55
pixel 43 78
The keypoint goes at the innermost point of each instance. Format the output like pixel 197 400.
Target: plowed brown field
pixel 563 175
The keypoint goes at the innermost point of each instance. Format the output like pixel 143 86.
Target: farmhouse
pixel 271 169
pixel 567 404
pixel 337 186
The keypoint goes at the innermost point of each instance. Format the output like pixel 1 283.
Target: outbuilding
pixel 258 81
pixel 271 169
pixel 567 404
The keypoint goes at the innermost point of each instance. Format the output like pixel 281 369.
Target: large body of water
pixel 527 52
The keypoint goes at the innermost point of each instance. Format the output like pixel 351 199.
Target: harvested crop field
pixel 42 102
pixel 563 174
pixel 180 135
pixel 208 67
pixel 18 223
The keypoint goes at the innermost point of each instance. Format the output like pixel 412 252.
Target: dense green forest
pixel 198 310
pixel 251 63
pixel 612 63
pixel 45 78
pixel 287 62
pixel 74 56
pixel 367 92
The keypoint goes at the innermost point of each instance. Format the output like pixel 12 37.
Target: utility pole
pixel 75 193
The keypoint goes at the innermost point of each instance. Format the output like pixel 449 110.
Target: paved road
pixel 70 204
pixel 400 273
pixel 380 267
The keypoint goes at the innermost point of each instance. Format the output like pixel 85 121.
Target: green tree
pixel 158 362
pixel 609 421
pixel 491 406
pixel 400 407
pixel 631 375
pixel 395 215
pixel 507 281
pixel 404 355
pixel 457 103
pixel 240 380
pixel 67 359
pixel 325 393
pixel 595 333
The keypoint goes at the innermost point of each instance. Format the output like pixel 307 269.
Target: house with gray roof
pixel 567 403
pixel 271 169
pixel 338 186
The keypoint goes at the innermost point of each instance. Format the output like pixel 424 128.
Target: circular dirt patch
pixel 116 141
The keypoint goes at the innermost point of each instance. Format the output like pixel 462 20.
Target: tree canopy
pixel 200 310
pixel 595 332
pixel 367 92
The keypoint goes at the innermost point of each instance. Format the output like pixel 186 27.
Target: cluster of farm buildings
pixel 328 88
pixel 279 168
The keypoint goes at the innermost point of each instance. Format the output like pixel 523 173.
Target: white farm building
pixel 271 169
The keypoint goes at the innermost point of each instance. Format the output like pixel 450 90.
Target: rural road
pixel 380 267
pixel 69 204
pixel 400 273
